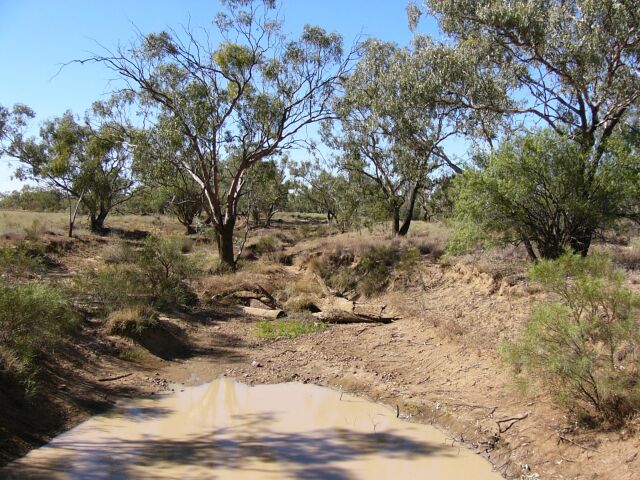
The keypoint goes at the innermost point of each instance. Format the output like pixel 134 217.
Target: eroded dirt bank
pixel 437 364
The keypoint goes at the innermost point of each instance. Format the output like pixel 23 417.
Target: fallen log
pixel 247 291
pixel 262 312
pixel 340 316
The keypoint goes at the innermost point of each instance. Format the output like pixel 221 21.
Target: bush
pixel 120 253
pixel 131 321
pixel 288 328
pixel 158 277
pixel 367 275
pixel 166 272
pixel 541 190
pixel 584 346
pixel 34 318
pixel 375 268
pixel 24 257
pixel 114 286
pixel 34 231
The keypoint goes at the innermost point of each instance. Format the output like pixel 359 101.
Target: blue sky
pixel 37 36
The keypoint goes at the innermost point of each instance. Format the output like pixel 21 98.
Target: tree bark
pixel 408 216
pixel 73 214
pixel 97 221
pixel 581 241
pixel 395 224
pixel 224 237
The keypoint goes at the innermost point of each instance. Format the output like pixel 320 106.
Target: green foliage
pixel 35 199
pixel 23 258
pixel 165 271
pixel 113 286
pixel 131 321
pixel 535 190
pixel 374 269
pixel 288 328
pixel 583 346
pixel 34 318
pixel 158 274
pixel 370 273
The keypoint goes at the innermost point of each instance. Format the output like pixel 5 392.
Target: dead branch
pixel 110 379
pixel 510 422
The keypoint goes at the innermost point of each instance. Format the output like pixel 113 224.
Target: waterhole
pixel 225 429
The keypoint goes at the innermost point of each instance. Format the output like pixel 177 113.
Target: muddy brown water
pixel 225 429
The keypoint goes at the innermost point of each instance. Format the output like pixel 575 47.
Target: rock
pixel 256 364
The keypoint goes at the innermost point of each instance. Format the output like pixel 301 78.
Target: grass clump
pixel 288 328
pixel 301 303
pixel 370 273
pixel 34 318
pixel 159 277
pixel 132 321
pixel 584 345
pixel 23 258
pixel 166 272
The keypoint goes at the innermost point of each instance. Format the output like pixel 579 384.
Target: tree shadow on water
pixel 308 455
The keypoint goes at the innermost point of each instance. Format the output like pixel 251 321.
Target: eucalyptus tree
pixel 570 65
pixel 159 151
pixel 89 164
pixel 265 191
pixel 238 102
pixel 394 119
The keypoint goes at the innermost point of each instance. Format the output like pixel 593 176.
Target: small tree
pixel 534 191
pixel 158 152
pixel 584 346
pixel 265 191
pixel 237 103
pixel 571 65
pixel 89 164
pixel 395 116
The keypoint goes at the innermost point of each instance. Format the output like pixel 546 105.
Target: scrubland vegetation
pixel 208 202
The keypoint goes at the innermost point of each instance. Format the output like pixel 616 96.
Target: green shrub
pixel 266 244
pixel 24 257
pixel 287 328
pixel 131 321
pixel 159 276
pixel 367 275
pixel 166 272
pixel 375 268
pixel 34 318
pixel 120 253
pixel 34 231
pixel 583 347
pixel 114 286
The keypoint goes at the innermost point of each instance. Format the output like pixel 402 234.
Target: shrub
pixel 288 328
pixel 34 318
pixel 375 268
pixel 166 272
pixel 584 346
pixel 131 321
pixel 367 275
pixel 540 190
pixel 34 231
pixel 266 244
pixel 120 253
pixel 114 286
pixel 24 257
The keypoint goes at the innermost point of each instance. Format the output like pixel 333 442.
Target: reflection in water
pixel 225 429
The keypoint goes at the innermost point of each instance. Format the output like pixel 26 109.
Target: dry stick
pixel 513 421
pixel 562 438
pixel 109 379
